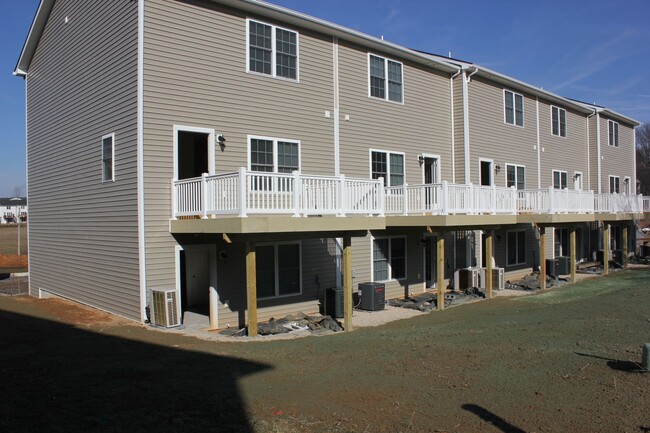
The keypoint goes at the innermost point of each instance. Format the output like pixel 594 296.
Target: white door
pixel 577 181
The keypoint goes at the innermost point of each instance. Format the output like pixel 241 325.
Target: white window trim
pixel 273 73
pixel 610 124
pixel 386 93
pixel 566 123
pixel 514 107
pixel 112 137
pixel 610 184
pixel 275 141
pixel 508 252
pixel 277 274
pixel 575 181
pixel 388 153
pixel 209 131
pixel 390 258
pixel 515 166
pixel 567 178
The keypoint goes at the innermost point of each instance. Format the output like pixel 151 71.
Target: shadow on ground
pixel 617 364
pixel 59 378
pixel 492 418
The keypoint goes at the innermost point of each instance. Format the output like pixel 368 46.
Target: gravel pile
pixel 299 322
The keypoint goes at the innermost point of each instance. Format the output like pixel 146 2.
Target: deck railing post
pixel 382 196
pixel 405 199
pixel 243 191
pixel 342 196
pixel 204 196
pixel 174 199
pixel 471 207
pixel 550 199
pixel 297 194
pixel 494 200
pixel 444 205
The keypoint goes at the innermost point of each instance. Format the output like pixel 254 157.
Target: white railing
pixel 554 201
pixel 245 192
pixel 615 203
pixel 445 198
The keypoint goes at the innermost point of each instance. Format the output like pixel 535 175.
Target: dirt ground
pixel 10 261
pixel 562 360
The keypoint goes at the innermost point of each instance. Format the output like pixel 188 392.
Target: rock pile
pixel 291 323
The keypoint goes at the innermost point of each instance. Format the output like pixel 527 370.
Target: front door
pixel 197 280
pixel 430 261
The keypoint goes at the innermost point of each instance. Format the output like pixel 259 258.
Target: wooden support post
pixel 572 236
pixel 488 259
pixel 440 272
pixel 625 246
pixel 542 257
pixel 251 289
pixel 606 249
pixel 347 283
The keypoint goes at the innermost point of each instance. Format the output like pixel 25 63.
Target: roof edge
pixel 34 35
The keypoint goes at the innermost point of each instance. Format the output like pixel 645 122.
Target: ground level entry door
pixel 198 275
pixel 430 261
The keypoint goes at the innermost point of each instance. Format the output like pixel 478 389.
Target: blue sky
pixel 591 50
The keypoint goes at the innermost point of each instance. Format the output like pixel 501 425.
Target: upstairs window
pixel 559 179
pixel 515 176
pixel 108 155
pixel 385 79
pixel 274 155
pixel 612 128
pixel 614 185
pixel 559 121
pixel 388 165
pixel 514 108
pixel 272 50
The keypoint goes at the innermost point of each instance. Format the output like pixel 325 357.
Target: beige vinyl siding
pixel 422 124
pixel 617 161
pixel 492 138
pixel 318 260
pixel 568 153
pixel 195 75
pixel 81 85
pixel 459 132
pixel 593 154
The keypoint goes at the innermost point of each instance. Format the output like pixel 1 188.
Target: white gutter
pixel 588 156
pixel 337 124
pixel 140 165
pixel 453 134
pixel 466 178
pixel 633 180
pixel 35 32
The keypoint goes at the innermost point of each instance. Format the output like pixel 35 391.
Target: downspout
pixel 140 164
pixel 539 147
pixel 337 151
pixel 466 80
pixel 453 135
pixel 598 151
pixel 633 180
pixel 588 156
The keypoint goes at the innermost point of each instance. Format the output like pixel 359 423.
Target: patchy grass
pixel 9 239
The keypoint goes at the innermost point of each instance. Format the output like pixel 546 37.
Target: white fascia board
pixel 35 32
pixel 289 16
pixel 613 115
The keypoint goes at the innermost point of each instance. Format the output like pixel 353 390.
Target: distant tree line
pixel 643 159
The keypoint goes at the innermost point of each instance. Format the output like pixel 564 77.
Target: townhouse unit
pixel 244 158
pixel 13 210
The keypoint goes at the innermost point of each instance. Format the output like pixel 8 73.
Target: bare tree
pixel 18 191
pixel 643 159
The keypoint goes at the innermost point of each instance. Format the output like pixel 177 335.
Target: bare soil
pixel 10 260
pixel 561 360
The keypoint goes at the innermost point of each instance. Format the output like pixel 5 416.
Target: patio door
pixel 193 152
pixel 430 261
pixel 485 172
pixel 431 167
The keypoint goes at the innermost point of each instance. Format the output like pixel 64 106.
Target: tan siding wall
pixel 563 153
pixel 617 161
pixel 593 154
pixel 195 72
pixel 81 85
pixel 492 138
pixel 459 132
pixel 421 125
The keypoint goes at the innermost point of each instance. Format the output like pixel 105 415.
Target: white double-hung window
pixel 385 79
pixel 388 165
pixel 513 104
pixel 272 50
pixel 558 117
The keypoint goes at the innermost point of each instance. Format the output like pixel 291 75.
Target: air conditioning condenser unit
pixel 164 307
